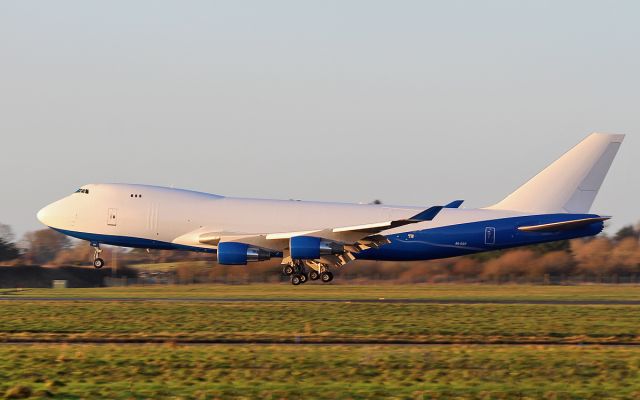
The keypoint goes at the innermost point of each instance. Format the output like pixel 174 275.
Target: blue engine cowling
pixel 233 253
pixel 311 248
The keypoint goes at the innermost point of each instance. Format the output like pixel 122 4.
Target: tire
pixel 98 263
pixel 314 275
pixel 326 277
pixel 295 280
pixel 288 270
pixel 304 278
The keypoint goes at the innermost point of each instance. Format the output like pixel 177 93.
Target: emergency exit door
pixel 113 217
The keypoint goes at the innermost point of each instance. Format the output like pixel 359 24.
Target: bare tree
pixel 6 233
pixel 8 249
pixel 627 232
pixel 44 245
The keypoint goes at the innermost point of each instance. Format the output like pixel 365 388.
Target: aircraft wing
pixel 368 234
pixel 354 233
pixel 350 239
pixel 426 215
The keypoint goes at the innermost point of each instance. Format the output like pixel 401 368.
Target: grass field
pixel 322 372
pixel 313 290
pixel 447 368
pixel 319 322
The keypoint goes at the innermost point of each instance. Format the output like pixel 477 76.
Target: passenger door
pixel 113 217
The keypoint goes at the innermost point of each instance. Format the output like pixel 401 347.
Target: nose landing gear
pixel 97 261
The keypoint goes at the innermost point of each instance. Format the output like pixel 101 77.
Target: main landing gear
pixel 297 279
pixel 326 277
pixel 314 275
pixel 97 261
pixel 297 271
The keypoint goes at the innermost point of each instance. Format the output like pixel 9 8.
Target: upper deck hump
pixel 135 187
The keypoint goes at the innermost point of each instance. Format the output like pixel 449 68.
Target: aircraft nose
pixel 44 215
pixel 58 214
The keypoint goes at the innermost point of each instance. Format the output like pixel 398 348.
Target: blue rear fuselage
pixel 475 237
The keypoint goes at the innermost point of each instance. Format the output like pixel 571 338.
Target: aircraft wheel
pixel 288 270
pixel 314 275
pixel 296 280
pixel 98 263
pixel 304 277
pixel 326 276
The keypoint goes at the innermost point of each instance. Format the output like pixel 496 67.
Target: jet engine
pixel 233 253
pixel 311 248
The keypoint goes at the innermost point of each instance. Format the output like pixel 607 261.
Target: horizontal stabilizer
pixel 562 226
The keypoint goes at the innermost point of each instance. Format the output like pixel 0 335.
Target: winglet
pixel 426 215
pixel 454 204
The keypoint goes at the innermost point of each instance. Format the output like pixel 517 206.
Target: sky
pixel 409 102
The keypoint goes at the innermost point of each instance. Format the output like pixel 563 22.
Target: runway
pixel 318 300
pixel 299 341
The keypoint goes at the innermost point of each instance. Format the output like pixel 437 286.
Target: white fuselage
pixel 181 216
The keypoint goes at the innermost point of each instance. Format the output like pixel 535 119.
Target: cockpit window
pixel 85 191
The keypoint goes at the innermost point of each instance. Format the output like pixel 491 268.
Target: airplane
pixel 313 238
